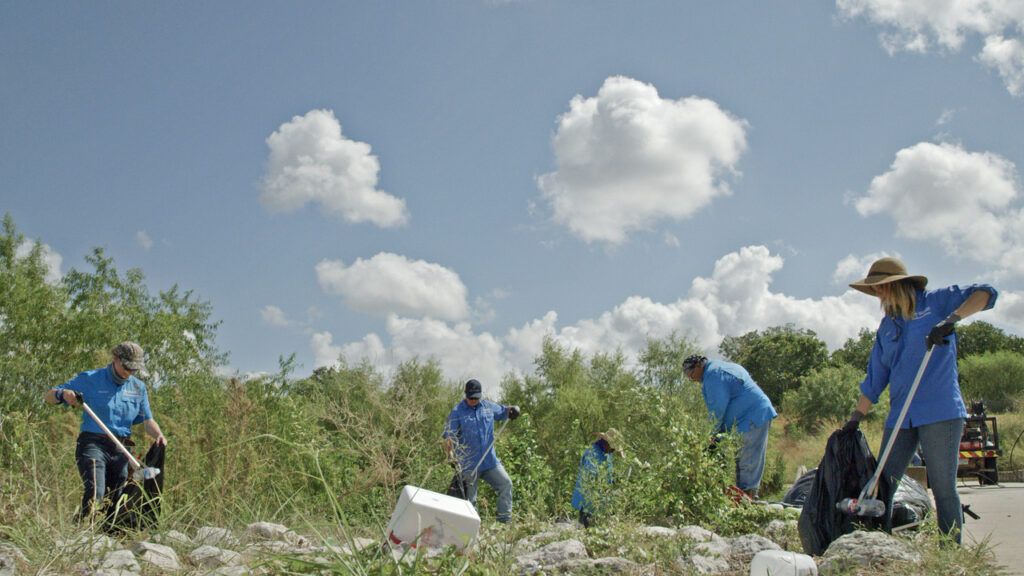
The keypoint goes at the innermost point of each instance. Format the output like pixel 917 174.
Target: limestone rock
pixel 214 536
pixel 263 531
pixel 658 532
pixel 174 538
pixel 697 534
pixel 163 557
pixel 865 549
pixel 120 560
pixel 750 544
pixel 209 557
pixel 10 558
pixel 553 554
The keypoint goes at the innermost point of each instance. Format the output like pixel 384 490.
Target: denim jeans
pixel 940 446
pixel 750 460
pixel 102 466
pixel 502 484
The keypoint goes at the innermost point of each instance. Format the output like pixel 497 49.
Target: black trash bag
pixel 136 505
pixel 845 469
pixel 457 487
pixel 910 504
pixel 797 493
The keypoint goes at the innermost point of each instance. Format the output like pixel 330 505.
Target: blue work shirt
pixel 595 465
pixel 733 398
pixel 472 430
pixel 118 406
pixel 899 348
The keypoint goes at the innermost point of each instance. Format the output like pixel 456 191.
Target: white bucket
pixel 782 563
pixel 428 519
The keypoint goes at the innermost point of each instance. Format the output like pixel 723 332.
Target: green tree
pixel 33 344
pixel 980 337
pixel 661 361
pixel 856 351
pixel 777 357
pixel 825 396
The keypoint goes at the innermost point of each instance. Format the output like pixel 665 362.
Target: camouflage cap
pixel 130 354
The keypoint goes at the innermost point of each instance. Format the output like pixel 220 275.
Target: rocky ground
pixel 265 548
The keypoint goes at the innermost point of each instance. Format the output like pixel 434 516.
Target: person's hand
pixel 160 440
pixel 513 412
pixel 854 422
pixel 69 397
pixel 937 337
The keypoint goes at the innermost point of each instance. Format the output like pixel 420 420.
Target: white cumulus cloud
pixel 736 298
pixel 959 199
pixel 921 25
pixel 275 316
pixel 311 162
pixel 628 158
pixel 393 284
pixel 852 268
pixel 1006 55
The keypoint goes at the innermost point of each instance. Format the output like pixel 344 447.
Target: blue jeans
pixel 940 446
pixel 750 460
pixel 502 484
pixel 101 466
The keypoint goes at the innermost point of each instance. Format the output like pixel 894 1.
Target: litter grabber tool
pixel 866 504
pixel 140 472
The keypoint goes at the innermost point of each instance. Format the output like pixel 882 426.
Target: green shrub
pixel 825 395
pixel 997 378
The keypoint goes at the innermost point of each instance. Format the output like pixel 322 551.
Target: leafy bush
pixel 825 395
pixel 995 377
pixel 777 357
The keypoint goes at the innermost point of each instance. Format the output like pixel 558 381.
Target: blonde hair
pixel 901 300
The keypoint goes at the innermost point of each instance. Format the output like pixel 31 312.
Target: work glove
pixel 854 422
pixel 513 412
pixel 939 332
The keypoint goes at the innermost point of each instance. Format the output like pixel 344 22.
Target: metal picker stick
pixel 141 472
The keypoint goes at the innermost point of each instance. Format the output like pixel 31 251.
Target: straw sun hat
pixel 884 271
pixel 613 437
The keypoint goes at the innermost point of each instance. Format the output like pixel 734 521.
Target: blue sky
pixel 459 179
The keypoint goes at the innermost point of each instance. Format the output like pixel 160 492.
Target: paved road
pixel 1001 509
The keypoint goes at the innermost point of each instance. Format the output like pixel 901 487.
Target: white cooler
pixel 425 518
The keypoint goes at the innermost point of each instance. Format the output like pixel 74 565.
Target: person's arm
pixel 153 429
pixel 61 396
pixel 978 300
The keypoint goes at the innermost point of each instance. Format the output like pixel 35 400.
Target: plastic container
pixel 782 563
pixel 428 519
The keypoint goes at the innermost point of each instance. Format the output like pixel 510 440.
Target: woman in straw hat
pixel 594 478
pixel 916 320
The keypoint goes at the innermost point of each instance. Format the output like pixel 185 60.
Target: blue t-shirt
pixel 733 398
pixel 119 407
pixel 899 348
pixel 472 430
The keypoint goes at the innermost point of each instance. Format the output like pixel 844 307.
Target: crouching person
pixel 594 478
